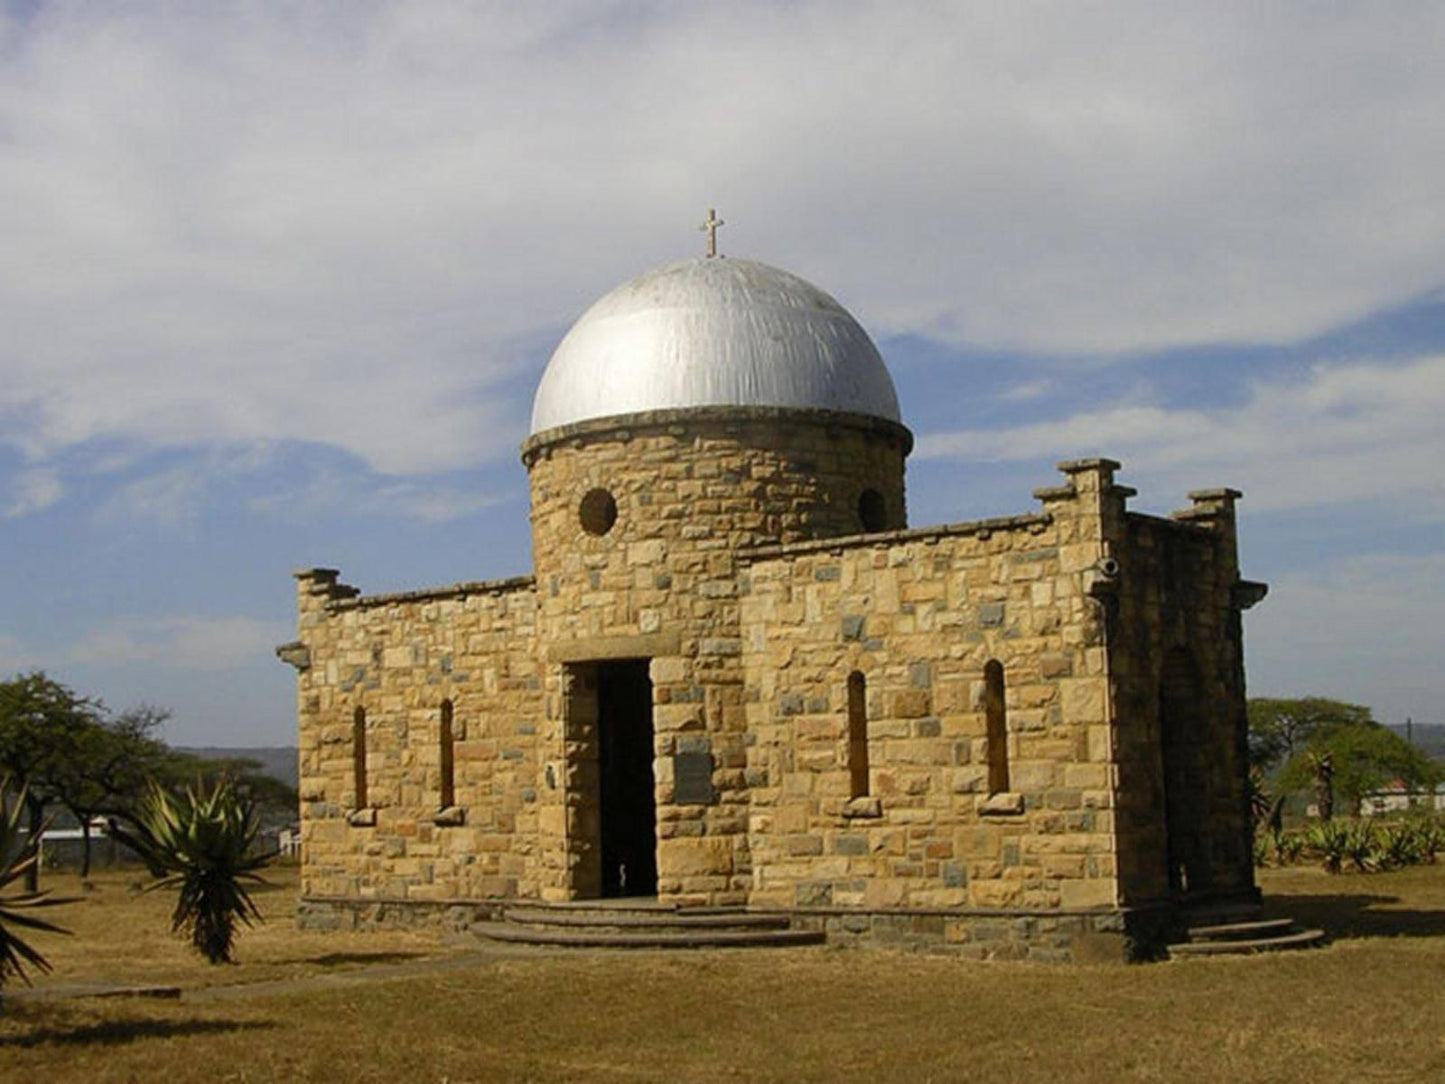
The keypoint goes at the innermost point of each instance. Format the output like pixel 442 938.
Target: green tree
pixel 1278 729
pixel 42 725
pixel 107 769
pixel 1363 757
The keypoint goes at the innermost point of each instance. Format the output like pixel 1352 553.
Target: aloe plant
pixel 19 854
pixel 1329 840
pixel 1288 846
pixel 1399 845
pixel 203 843
pixel 1362 845
pixel 1432 838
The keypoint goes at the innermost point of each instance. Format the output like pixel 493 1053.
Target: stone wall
pixel 1175 632
pixel 919 614
pixel 783 644
pixel 398 658
pixel 657 579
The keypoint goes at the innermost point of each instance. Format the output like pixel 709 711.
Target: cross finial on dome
pixel 710 228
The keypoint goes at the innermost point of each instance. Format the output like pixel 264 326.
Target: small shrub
pixel 1400 843
pixel 1432 837
pixel 1329 842
pixel 1288 847
pixel 1361 844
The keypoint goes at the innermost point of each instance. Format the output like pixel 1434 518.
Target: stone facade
pixel 693 491
pixel 396 659
pixel 1020 736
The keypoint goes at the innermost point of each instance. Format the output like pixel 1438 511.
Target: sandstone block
pixel 1082 700
pixel 1099 893
pixel 994 893
pixel 912 703
pixel 702 856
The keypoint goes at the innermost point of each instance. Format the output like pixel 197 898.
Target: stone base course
pixel 1106 936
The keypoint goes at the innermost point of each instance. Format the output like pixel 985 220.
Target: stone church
pixel 738 678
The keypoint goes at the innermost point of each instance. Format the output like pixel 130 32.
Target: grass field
pixel 1369 1007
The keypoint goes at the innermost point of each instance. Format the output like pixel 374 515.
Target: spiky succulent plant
pixel 203 842
pixel 19 853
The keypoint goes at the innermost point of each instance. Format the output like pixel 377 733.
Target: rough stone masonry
pixel 738 678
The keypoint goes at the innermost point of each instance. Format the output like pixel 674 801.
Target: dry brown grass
pixel 1367 1008
pixel 121 935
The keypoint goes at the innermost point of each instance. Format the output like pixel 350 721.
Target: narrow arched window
pixel 857 735
pixel 996 715
pixel 358 756
pixel 448 770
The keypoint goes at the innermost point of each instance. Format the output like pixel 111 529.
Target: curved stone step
pixel 637 920
pixel 1298 940
pixel 1242 931
pixel 1222 914
pixel 612 905
pixel 596 937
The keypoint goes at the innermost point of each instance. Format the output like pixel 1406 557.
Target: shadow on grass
pixel 1356 915
pixel 258 888
pixel 344 959
pixel 113 1032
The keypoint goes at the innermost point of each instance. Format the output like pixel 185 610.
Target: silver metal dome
pixel 713 332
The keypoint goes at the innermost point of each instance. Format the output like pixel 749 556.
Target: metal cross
pixel 710 228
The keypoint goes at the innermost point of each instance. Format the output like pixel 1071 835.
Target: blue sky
pixel 278 282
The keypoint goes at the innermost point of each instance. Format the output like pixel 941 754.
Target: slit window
pixel 448 792
pixel 996 716
pixel 857 735
pixel 358 756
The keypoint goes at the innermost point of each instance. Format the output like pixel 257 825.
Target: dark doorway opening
pixel 1186 777
pixel 625 783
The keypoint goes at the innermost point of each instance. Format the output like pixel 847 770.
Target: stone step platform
pixel 1223 913
pixel 1298 939
pixel 632 920
pixel 1240 929
pixel 641 924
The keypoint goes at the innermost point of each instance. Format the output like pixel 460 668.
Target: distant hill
pixel 277 761
pixel 1429 738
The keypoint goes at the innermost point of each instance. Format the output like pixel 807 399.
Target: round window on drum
pixel 598 512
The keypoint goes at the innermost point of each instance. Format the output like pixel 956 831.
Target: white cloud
pixel 167 497
pixel 206 644
pixel 1027 391
pixel 329 492
pixel 430 504
pixel 1342 433
pixel 337 223
pixel 32 491
pixel 1366 630
pixel 175 494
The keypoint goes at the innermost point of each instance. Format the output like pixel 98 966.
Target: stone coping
pixel 1088 463
pixel 1028 521
pixel 624 424
pixel 1187 522
pixel 456 590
